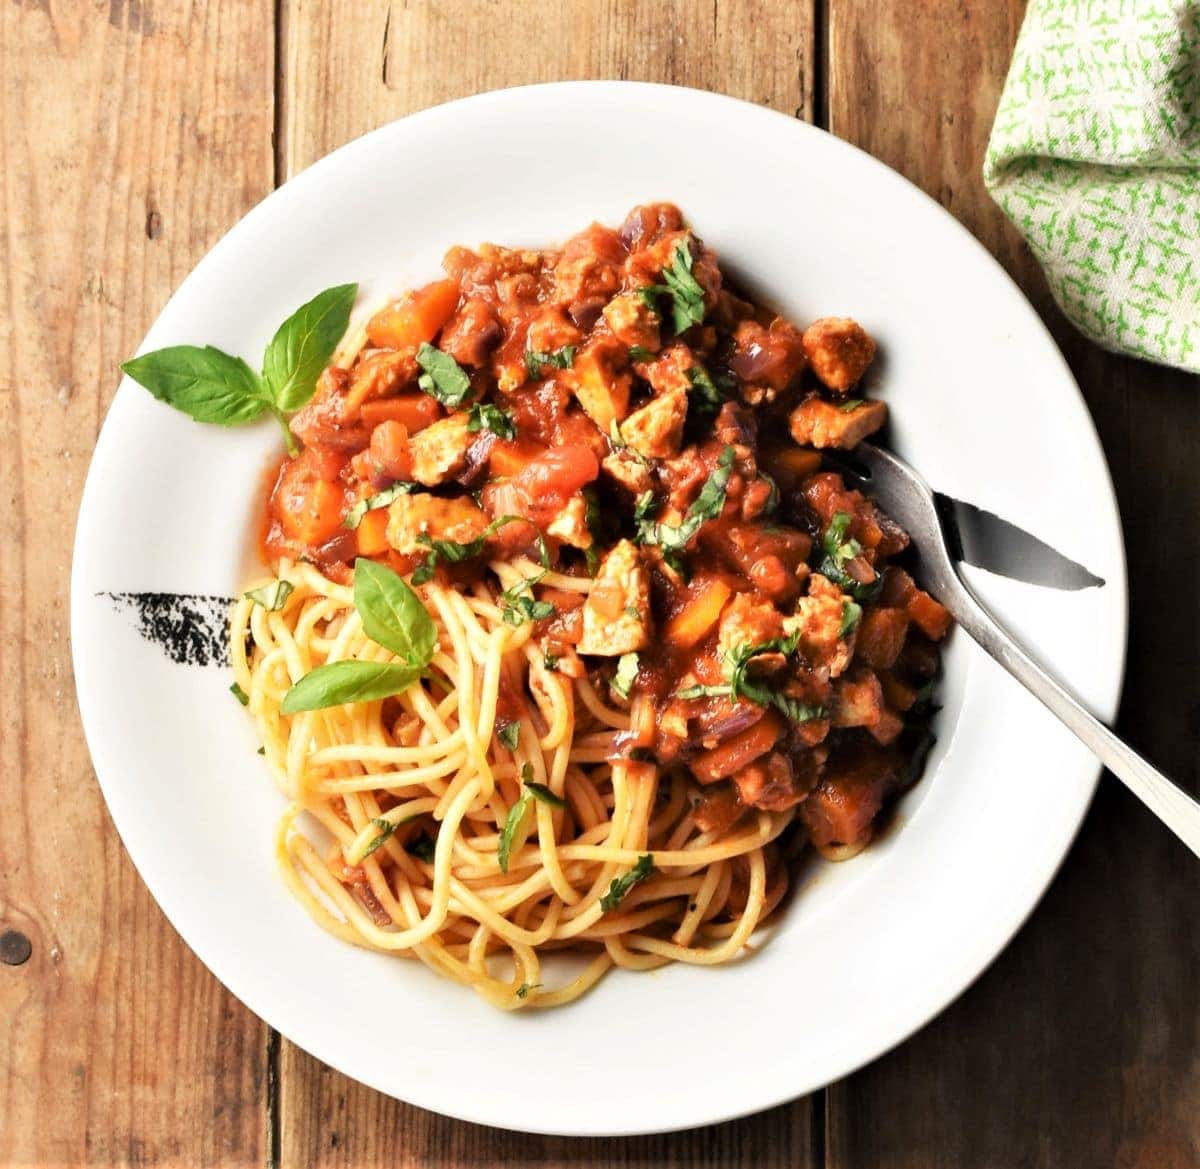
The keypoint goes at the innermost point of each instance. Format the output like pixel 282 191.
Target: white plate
pixel 983 405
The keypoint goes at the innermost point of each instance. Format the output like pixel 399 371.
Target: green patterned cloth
pixel 1095 156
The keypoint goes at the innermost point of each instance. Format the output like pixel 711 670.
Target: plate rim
pixel 952 984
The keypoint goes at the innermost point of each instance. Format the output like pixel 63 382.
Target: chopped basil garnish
pixel 679 283
pixel 526 987
pixel 273 596
pixel 622 884
pixel 519 604
pixel 698 691
pixel 453 552
pixel 706 506
pixel 509 733
pixel 354 516
pixel 742 685
pixel 386 828
pixel 516 814
pixel 485 416
pixel 706 396
pixel 850 405
pixel 535 362
pixel 640 353
pixel 423 849
pixel 550 662
pixel 541 792
pixel 443 379
pixel 211 386
pixel 626 675
pixel 839 550
pixel 239 694
pixel 851 612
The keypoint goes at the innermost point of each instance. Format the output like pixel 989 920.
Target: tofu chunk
pixel 602 391
pixel 838 350
pixel 818 423
pixel 818 619
pixel 656 430
pixel 439 452
pixel 632 321
pixel 629 470
pixel 747 621
pixel 616 615
pixel 570 525
pixel 410 516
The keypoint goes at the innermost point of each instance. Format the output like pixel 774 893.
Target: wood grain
pixel 131 136
pixel 1079 1046
pixel 385 60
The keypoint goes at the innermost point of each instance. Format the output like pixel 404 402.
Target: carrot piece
pixel 700 612
pixel 315 514
pixel 733 754
pixel 791 465
pixel 390 450
pixel 414 318
pixel 930 617
pixel 372 532
pixel 415 411
pixel 507 459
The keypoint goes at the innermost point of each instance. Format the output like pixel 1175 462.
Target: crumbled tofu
pixel 838 350
pixel 602 392
pixel 570 525
pixel 656 430
pixel 858 700
pixel 410 516
pixel 630 470
pixel 616 615
pixel 633 321
pixel 818 619
pixel 818 423
pixel 439 452
pixel 747 621
pixel 669 372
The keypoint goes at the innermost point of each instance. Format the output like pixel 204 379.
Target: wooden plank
pixel 347 68
pixel 352 65
pixel 131 136
pixel 1079 1046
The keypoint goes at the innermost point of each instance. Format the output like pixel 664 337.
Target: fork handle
pixel 1169 802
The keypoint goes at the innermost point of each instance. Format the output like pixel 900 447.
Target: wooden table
pixel 134 134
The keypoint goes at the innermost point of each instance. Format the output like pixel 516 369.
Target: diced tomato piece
pixel 931 617
pixel 549 482
pixel 415 318
pixel 372 532
pixel 415 411
pixel 307 499
pixel 857 779
pixel 390 451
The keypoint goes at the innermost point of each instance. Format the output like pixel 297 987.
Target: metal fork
pixel 902 493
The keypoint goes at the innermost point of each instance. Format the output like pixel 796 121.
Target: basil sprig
pixel 273 596
pixel 392 615
pixel 839 548
pixel 212 386
pixel 708 505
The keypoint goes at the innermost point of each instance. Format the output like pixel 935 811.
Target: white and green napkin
pixel 1095 156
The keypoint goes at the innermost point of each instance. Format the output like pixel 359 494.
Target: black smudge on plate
pixel 190 628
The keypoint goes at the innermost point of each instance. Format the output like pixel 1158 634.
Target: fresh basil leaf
pixel 239 694
pixel 526 987
pixel 562 358
pixel 512 825
pixel 386 828
pixel 354 516
pixel 851 612
pixel 273 596
pixel 839 549
pixel 337 683
pixel 303 345
pixel 622 884
pixel 207 384
pixel 392 614
pixel 772 504
pixel 850 405
pixel 443 379
pixel 640 353
pixel 485 416
pixel 509 734
pixel 626 675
